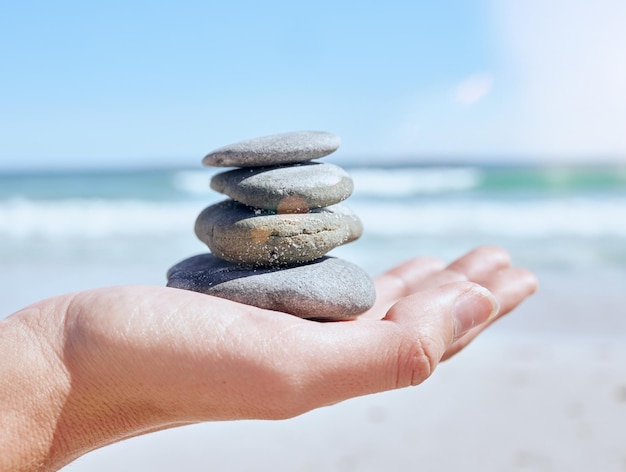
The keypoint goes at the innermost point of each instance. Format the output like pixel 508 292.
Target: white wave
pixel 408 181
pixel 21 218
pixel 86 218
pixel 398 182
pixel 194 182
pixel 575 217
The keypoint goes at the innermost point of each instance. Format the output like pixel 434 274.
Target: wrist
pixel 33 386
pixel 59 396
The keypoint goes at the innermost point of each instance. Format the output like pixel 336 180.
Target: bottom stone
pixel 325 289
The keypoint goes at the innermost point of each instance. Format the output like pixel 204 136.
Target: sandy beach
pixel 544 390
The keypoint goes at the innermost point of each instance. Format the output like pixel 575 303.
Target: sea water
pixel 570 218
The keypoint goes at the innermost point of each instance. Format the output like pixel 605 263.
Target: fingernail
pixel 472 308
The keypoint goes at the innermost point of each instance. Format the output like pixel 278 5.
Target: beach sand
pixel 544 390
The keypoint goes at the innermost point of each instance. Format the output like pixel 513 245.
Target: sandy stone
pixel 287 148
pixel 325 289
pixel 292 189
pixel 241 234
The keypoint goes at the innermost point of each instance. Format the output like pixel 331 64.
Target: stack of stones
pixel 269 239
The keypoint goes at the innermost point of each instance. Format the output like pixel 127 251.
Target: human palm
pixel 134 359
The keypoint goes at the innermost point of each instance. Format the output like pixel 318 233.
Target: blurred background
pixel 462 122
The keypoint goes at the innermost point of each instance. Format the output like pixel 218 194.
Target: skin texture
pixel 87 369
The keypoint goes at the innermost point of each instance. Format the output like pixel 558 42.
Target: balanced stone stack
pixel 269 240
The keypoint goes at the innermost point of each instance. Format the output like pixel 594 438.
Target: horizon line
pixel 396 161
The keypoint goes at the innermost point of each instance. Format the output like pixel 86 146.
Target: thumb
pixel 285 366
pixel 344 360
pixel 431 321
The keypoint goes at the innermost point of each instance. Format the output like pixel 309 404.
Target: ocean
pixel 558 217
pixel 130 226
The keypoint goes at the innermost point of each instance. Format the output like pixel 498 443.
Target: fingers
pixel 425 273
pixel 406 278
pixel 401 281
pixel 401 350
pixel 451 310
pixel 475 266
pixel 478 265
pixel 489 266
pixel 510 286
pixel 439 311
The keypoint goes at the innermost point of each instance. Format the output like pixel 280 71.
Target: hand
pixel 124 361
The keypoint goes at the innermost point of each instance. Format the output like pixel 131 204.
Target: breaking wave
pixel 100 218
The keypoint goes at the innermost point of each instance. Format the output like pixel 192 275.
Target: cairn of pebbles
pixel 269 240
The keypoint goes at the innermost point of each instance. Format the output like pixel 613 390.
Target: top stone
pixel 287 148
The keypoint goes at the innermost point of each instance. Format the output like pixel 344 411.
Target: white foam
pixel 573 217
pixel 90 218
pixel 21 218
pixel 408 181
pixel 194 182
pixel 399 182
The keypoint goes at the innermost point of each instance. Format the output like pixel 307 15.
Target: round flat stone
pixel 286 189
pixel 245 235
pixel 325 289
pixel 287 148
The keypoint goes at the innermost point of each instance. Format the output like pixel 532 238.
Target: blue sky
pixel 152 82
